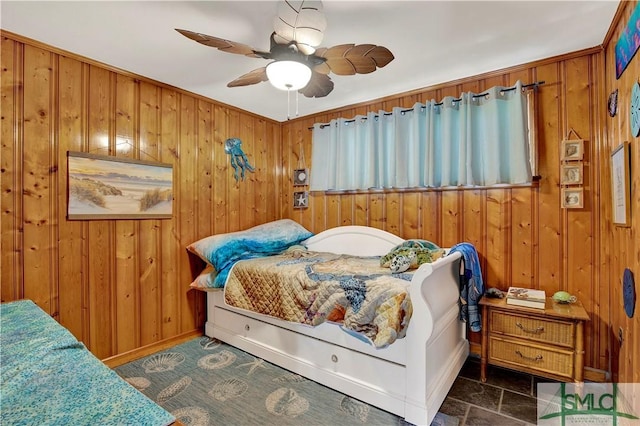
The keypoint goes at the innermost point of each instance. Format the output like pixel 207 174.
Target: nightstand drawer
pixel 537 357
pixel 531 328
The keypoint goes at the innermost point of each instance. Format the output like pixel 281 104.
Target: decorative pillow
pixel 223 250
pixel 416 251
pixel 206 279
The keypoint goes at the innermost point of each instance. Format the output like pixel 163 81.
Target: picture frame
pixel 572 198
pixel 612 103
pixel 572 150
pixel 300 177
pixel 621 185
pixel 628 42
pixel 103 187
pixel 571 173
pixel 300 200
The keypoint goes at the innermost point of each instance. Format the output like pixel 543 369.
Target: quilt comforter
pixel 47 377
pixel 367 300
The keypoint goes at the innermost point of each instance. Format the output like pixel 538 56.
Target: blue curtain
pixel 475 140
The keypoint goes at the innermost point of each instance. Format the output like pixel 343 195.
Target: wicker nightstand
pixel 544 342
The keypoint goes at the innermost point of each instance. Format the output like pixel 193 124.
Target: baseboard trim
pixel 595 375
pixel 123 358
pixel 475 349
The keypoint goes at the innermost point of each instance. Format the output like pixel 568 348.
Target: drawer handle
pixel 528 330
pixel 247 327
pixel 334 358
pixel 536 359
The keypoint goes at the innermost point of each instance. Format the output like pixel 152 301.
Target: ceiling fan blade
pixel 302 22
pixel 350 59
pixel 322 68
pixel 319 86
pixel 252 77
pixel 224 45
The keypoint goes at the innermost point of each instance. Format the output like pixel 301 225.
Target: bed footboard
pixel 436 340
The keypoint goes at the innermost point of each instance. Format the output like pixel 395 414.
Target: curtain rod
pixel 524 86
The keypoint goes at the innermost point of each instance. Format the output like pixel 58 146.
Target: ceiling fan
pixel 297 62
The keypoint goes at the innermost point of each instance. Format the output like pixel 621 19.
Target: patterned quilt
pixel 47 377
pixel 367 300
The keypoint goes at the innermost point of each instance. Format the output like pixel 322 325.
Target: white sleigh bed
pixel 409 378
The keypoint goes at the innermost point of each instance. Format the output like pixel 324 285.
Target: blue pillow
pixel 206 279
pixel 223 250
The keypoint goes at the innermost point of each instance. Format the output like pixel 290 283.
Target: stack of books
pixel 527 297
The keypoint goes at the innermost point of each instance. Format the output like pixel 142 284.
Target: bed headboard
pixel 353 240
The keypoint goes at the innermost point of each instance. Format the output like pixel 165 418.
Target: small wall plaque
pixel 300 177
pixel 571 174
pixel 572 149
pixel 572 198
pixel 300 200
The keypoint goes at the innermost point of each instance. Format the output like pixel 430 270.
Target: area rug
pixel 207 382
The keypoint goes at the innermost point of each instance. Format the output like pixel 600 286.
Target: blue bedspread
pixel 47 377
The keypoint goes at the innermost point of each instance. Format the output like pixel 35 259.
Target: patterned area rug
pixel 207 382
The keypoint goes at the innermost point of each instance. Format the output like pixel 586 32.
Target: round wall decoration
pixel 613 103
pixel 300 176
pixel 628 292
pixel 635 109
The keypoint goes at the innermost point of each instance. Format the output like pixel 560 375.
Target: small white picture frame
pixel 300 177
pixel 572 198
pixel 300 200
pixel 572 150
pixel 571 174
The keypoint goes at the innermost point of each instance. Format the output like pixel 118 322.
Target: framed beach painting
pixel 104 187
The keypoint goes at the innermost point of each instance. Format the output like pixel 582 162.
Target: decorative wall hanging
pixel 572 149
pixel 628 292
pixel 571 173
pixel 634 110
pixel 572 198
pixel 103 187
pixel 300 200
pixel 233 147
pixel 300 177
pixel 628 42
pixel 621 191
pixel 612 105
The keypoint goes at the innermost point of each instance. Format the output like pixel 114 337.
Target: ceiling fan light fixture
pixel 288 75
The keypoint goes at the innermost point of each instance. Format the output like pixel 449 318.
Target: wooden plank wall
pixel 118 285
pixel 621 246
pixel 522 234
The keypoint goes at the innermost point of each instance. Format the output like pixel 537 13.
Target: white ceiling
pixel 433 42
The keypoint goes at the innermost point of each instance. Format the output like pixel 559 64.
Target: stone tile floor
pixel 508 398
